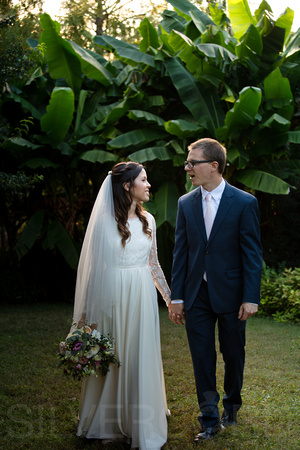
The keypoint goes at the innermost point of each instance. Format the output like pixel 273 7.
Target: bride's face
pixel 140 190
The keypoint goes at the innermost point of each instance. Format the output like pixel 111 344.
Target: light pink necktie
pixel 209 215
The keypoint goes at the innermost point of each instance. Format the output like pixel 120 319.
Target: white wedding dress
pixel 130 401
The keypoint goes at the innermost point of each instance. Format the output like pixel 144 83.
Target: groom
pixel 216 278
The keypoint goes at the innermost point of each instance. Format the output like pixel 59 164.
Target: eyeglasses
pixel 191 164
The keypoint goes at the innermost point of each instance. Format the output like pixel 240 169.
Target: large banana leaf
pixel 93 139
pixel 136 137
pixel 149 35
pixel 215 35
pixel 204 71
pixel 30 234
pixel 58 237
pixel 132 100
pixel 135 114
pixel 80 107
pixel 185 7
pixel 293 45
pixel 165 202
pixel 243 114
pixel 26 105
pixel 149 154
pixel 278 93
pixel 250 45
pixel 262 181
pixel 237 155
pixel 109 132
pixel 219 54
pixel 65 148
pixel 58 118
pixel 123 75
pixel 240 16
pixel 177 147
pixel 61 60
pixel 182 128
pixel 36 163
pixel 172 21
pixel 95 118
pixel 17 143
pixel 203 105
pixel 113 113
pixel 98 156
pixel 91 67
pixel 277 86
pixel 178 41
pixel 284 169
pixel 104 62
pixel 198 22
pixel 277 123
pixel 217 14
pixel 273 43
pixel 267 141
pixel 154 100
pixel 286 21
pixel 294 137
pixel 128 53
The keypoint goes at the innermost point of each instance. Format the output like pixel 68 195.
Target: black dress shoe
pixel 228 420
pixel 208 433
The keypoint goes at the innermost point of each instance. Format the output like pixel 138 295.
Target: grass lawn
pixel 39 405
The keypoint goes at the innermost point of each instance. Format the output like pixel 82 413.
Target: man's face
pixel 201 173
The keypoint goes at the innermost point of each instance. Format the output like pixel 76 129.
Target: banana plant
pixel 218 75
pixel 242 66
pixel 195 75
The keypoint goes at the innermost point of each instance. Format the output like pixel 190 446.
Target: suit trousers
pixel 200 327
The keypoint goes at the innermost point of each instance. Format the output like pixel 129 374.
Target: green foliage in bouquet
pixel 86 352
pixel 280 294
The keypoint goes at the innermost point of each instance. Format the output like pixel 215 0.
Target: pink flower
pixel 79 367
pixel 97 363
pixel 78 346
pixel 83 360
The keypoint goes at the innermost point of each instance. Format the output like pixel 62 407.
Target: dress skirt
pixel 130 401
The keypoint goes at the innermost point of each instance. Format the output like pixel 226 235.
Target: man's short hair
pixel 211 149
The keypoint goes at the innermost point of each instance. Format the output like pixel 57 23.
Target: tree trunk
pixel 99 18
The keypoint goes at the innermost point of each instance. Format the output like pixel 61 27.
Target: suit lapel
pixel 224 206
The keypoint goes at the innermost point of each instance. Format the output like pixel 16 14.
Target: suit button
pixel 207 253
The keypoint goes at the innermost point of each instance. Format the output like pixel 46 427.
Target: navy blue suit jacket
pixel 232 257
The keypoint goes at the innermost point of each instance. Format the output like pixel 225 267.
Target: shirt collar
pixel 216 193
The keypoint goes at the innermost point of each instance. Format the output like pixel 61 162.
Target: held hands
pixel 247 310
pixel 176 313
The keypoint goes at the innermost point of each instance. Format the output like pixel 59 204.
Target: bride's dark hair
pixel 126 172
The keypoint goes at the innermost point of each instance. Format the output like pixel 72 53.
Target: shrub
pixel 280 294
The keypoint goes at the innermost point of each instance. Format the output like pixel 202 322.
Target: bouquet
pixel 86 352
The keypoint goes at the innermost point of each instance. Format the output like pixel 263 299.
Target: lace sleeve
pixel 155 268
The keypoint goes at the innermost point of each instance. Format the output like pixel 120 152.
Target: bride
pixel 115 293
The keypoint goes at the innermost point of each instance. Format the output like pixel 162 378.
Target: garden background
pixel 81 94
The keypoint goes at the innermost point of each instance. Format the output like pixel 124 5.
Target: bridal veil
pixel 95 283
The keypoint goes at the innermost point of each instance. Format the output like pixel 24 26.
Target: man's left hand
pixel 247 310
